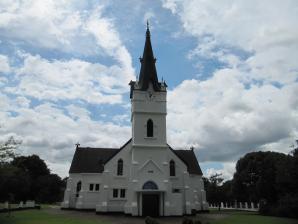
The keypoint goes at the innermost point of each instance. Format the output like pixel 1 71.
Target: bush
pixel 288 206
pixel 149 220
pixel 187 221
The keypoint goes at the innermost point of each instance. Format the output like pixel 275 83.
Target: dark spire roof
pixel 148 70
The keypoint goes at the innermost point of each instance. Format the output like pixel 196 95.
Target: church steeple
pixel 148 70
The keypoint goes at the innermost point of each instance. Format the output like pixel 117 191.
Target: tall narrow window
pixel 149 128
pixel 79 186
pixel 122 193
pixel 120 167
pixel 172 168
pixel 115 193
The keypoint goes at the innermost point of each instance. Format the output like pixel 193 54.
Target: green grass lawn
pixel 238 217
pixel 41 217
pixel 215 217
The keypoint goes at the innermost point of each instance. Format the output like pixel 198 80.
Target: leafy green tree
pixel 50 188
pixel 255 176
pixel 213 188
pixel 7 149
pixel 33 165
pixel 270 177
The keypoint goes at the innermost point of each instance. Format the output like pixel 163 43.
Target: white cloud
pixel 31 96
pixel 226 172
pixel 48 131
pixel 266 30
pixel 250 102
pixel 224 120
pixel 4 64
pixel 64 26
pixel 69 80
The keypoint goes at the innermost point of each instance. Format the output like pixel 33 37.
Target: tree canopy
pixel 7 149
pixel 28 178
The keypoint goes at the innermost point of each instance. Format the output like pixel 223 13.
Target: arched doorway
pixel 150 199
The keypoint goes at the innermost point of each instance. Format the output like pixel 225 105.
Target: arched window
pixel 172 168
pixel 120 167
pixel 150 185
pixel 149 128
pixel 79 187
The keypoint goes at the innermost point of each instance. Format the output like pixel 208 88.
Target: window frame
pixel 172 165
pixel 150 128
pixel 115 193
pixel 122 193
pixel 120 165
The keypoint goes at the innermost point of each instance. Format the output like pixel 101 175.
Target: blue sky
pixel 231 69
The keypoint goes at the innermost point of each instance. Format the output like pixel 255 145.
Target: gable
pixel 189 158
pixel 92 160
pixel 150 165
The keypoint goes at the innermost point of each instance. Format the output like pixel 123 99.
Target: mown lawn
pixel 42 217
pixel 237 217
pixel 215 217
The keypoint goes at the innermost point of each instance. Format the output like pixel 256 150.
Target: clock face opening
pixel 150 95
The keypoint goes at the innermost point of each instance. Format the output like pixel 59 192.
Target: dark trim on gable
pixel 122 147
pixel 190 161
pixel 177 155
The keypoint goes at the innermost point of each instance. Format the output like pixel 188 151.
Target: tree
pixel 270 177
pixel 7 149
pixel 213 189
pixel 28 177
pixel 35 168
pixel 255 175
pixel 50 188
pixel 31 164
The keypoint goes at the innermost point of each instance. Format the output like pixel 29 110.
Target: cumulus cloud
pixel 65 26
pixel 46 129
pixel 69 80
pixel 266 32
pixel 227 171
pixel 4 64
pixel 50 77
pixel 249 103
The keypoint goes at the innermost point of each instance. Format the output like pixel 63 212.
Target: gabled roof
pixel 92 160
pixel 190 159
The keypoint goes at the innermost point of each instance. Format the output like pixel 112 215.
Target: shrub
pixel 187 221
pixel 197 222
pixel 149 220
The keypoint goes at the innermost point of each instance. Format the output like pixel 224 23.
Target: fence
pixel 6 206
pixel 244 206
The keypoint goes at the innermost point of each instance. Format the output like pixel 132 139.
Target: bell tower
pixel 148 103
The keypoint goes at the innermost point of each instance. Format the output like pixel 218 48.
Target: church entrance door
pixel 150 205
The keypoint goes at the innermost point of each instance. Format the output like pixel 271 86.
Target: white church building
pixel 145 177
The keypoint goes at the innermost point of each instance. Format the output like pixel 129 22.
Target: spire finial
pixel 147 31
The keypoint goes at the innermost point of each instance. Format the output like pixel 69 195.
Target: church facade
pixel 145 177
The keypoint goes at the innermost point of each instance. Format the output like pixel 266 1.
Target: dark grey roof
pixel 190 159
pixel 92 160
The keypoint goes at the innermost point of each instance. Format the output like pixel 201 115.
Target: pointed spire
pixel 148 70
